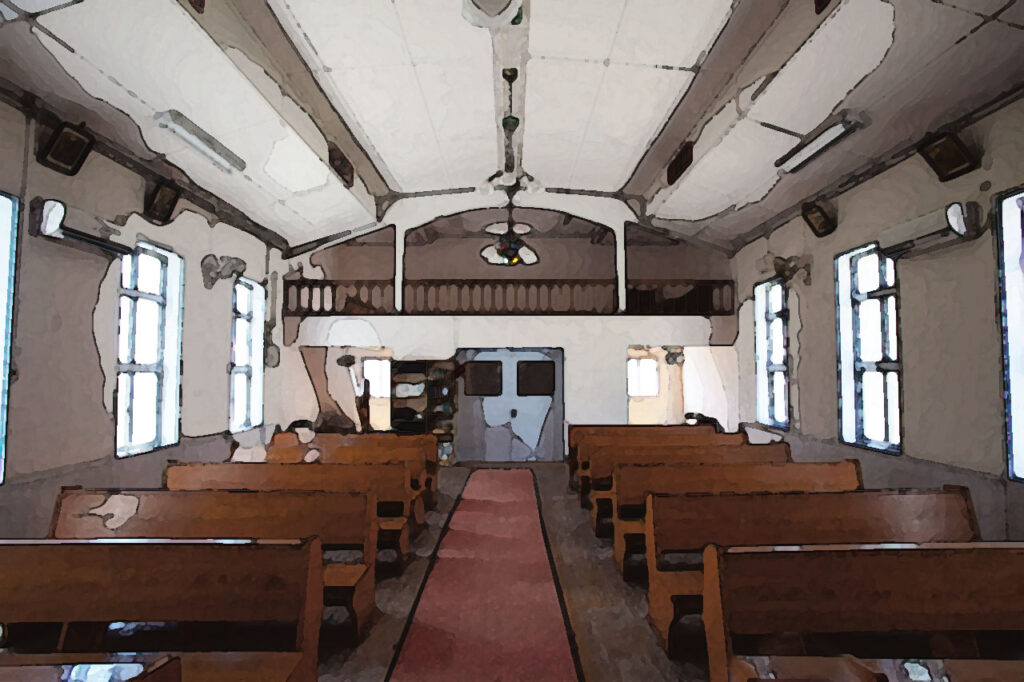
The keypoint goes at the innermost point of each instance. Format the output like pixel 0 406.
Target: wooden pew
pixel 398 506
pixel 955 604
pixel 578 431
pixel 591 446
pixel 341 520
pixel 164 669
pixel 65 601
pixel 634 483
pixel 685 524
pixel 329 448
pixel 603 460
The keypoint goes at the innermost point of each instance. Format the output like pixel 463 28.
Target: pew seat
pixel 165 669
pixel 195 666
pixel 399 508
pixel 601 494
pixel 341 520
pixel 683 525
pixel 961 605
pixel 635 482
pixel 577 432
pixel 642 438
pixel 63 600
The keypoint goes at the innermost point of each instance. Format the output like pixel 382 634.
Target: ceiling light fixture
pixel 185 128
pixel 805 151
pixel 510 249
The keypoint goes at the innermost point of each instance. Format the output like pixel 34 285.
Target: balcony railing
pixel 510 297
pixel 680 297
pixel 307 297
pixel 311 297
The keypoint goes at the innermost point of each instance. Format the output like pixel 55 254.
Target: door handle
pixel 514 413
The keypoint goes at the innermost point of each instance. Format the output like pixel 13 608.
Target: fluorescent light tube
pixel 804 152
pixel 182 126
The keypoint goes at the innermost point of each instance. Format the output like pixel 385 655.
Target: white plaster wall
pixel 595 348
pixel 949 326
pixel 711 377
pixel 206 326
pixel 65 319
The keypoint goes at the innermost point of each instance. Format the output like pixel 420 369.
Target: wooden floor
pixel 612 638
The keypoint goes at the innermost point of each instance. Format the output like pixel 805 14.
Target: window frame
pixel 771 369
pixel 886 365
pixel 248 370
pixel 376 374
pixel 159 367
pixel 8 332
pixel 657 377
pixel 1000 200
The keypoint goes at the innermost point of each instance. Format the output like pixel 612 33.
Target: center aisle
pixel 490 609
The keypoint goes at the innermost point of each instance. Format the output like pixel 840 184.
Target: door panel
pixel 514 415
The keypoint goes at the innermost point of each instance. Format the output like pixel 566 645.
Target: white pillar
pixel 400 231
pixel 620 263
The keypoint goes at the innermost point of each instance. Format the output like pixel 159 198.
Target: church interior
pixel 465 340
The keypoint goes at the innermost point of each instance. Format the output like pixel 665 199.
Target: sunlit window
pixel 249 311
pixel 378 373
pixel 642 377
pixel 1013 328
pixel 148 350
pixel 869 367
pixel 771 339
pixel 8 241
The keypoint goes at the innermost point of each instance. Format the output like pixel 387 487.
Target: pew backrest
pixel 187 581
pixel 829 590
pixel 339 519
pixel 604 459
pixel 387 481
pixel 688 523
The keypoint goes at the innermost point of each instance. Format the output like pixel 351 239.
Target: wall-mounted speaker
pixel 161 202
pixel 680 162
pixel 341 165
pixel 67 149
pixel 948 156
pixel 818 219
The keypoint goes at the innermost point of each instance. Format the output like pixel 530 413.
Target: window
pixel 8 242
pixel 378 373
pixel 1012 279
pixel 246 401
pixel 535 377
pixel 149 350
pixel 771 353
pixel 642 377
pixel 483 378
pixel 869 368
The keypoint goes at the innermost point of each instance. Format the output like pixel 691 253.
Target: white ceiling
pixel 420 88
pixel 603 77
pixel 412 77
pixel 735 154
pixel 149 56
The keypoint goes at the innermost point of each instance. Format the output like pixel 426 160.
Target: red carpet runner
pixel 489 610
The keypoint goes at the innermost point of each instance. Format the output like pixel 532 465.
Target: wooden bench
pixel 398 506
pixel 683 525
pixel 850 669
pixel 634 483
pixel 592 446
pixel 603 461
pixel 242 610
pixel 936 602
pixel 578 431
pixel 342 521
pixel 329 448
